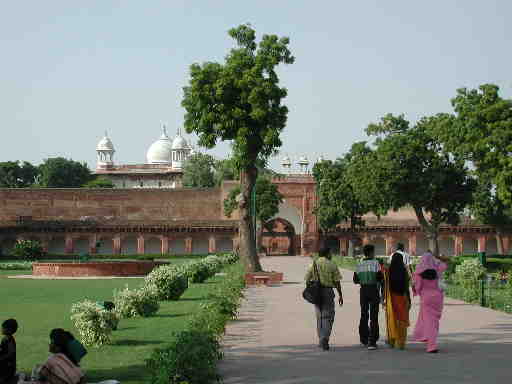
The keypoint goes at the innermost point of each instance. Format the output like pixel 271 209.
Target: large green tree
pixel 267 203
pixel 198 171
pixel 337 201
pixel 59 172
pixel 482 133
pixel 99 182
pixel 409 167
pixel 225 169
pixel 240 101
pixel 14 174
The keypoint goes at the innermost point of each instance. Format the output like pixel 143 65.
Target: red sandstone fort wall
pixel 112 205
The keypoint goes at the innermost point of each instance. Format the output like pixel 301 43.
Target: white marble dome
pixel 179 142
pixel 160 151
pixel 105 144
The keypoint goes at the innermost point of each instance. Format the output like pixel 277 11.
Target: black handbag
pixel 312 292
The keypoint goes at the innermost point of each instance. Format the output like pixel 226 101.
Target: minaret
pixel 105 153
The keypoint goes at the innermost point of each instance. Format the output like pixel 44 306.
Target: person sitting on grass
pixel 60 368
pixel 8 352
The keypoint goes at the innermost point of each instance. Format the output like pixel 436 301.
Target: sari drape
pixel 397 315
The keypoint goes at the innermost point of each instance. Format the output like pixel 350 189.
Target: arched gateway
pixel 279 238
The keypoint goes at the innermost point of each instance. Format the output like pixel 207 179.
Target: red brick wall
pixel 151 205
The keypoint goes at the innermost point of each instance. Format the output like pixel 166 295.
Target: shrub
pixel 94 324
pixel 198 271
pixel 27 249
pixel 19 266
pixel 467 275
pixel 191 357
pixel 170 281
pixel 138 302
pixel 213 263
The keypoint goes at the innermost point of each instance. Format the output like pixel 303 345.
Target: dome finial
pixel 106 133
pixel 164 130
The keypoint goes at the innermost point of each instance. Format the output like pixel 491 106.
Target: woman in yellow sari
pixel 397 301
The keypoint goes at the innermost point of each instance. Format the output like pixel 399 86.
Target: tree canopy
pixel 198 171
pixel 16 174
pixel 240 101
pixel 99 182
pixel 409 167
pixel 59 172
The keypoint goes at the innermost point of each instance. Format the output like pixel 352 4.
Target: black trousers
pixel 369 300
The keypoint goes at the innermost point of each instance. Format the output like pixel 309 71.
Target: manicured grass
pixel 40 305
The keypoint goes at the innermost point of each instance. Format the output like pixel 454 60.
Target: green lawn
pixel 40 305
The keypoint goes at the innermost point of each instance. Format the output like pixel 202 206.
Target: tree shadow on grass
pixel 193 299
pixel 137 373
pixel 172 315
pixel 137 342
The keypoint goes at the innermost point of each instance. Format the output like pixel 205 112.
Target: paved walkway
pixel 274 341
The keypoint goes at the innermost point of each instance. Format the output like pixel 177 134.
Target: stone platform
pixel 95 269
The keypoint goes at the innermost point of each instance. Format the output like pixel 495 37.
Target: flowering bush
pixel 213 263
pixel 169 281
pixel 22 265
pixel 94 324
pixel 197 271
pixel 138 302
pixel 467 275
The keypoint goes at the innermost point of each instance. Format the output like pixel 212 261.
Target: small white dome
pixel 160 151
pixel 179 142
pixel 286 162
pixel 303 160
pixel 105 144
pixel 320 159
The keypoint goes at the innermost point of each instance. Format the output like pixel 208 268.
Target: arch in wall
pixel 280 239
pixel 491 245
pixel 421 244
pixel 291 215
pixel 81 245
pixel 57 245
pixel 224 244
pixel 469 246
pixel 129 245
pixel 200 245
pixel 177 246
pixel 153 245
pixel 333 243
pixel 447 245
pixel 6 245
pixel 380 246
pixel 106 246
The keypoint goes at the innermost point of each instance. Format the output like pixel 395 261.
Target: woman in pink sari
pixel 426 285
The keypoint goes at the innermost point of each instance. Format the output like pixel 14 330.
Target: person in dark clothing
pixel 8 351
pixel 369 275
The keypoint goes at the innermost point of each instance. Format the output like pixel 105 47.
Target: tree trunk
pixel 246 229
pixel 430 229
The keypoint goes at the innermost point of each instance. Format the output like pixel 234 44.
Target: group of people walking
pixel 389 286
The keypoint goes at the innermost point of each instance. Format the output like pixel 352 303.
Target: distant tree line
pixel 55 172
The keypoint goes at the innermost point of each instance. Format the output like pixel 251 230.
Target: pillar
pixel 412 244
pixel 482 243
pixel 506 245
pixel 165 245
pixel 116 245
pixel 390 245
pixel 212 248
pixel 68 248
pixel 140 245
pixel 188 245
pixel 236 243
pixel 343 246
pixel 366 239
pixel 459 245
pixel 92 244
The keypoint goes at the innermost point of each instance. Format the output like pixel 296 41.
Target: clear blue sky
pixel 69 70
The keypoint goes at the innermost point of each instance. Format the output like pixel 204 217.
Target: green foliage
pixel 198 171
pixel 198 271
pixel 170 281
pixel 467 275
pixel 94 324
pixel 268 199
pixel 192 354
pixel 14 174
pixel 225 169
pixel 27 250
pixel 99 182
pixel 337 201
pixel 482 133
pixel 59 172
pixel 136 302
pixel 17 266
pixel 191 357
pixel 409 167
